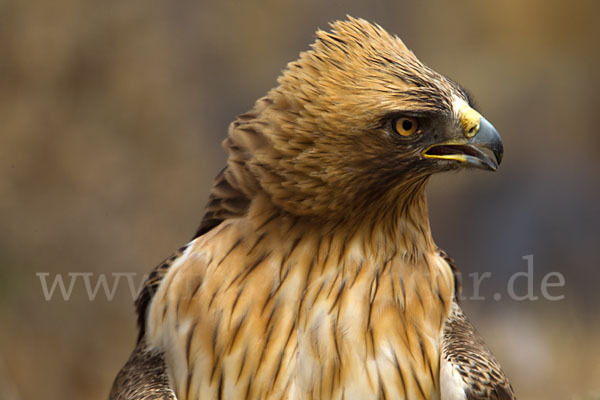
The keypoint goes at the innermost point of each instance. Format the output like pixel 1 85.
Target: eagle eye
pixel 405 126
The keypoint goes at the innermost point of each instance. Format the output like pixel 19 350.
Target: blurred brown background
pixel 111 118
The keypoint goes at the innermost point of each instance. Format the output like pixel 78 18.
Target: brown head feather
pixel 318 145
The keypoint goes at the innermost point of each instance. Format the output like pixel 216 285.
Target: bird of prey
pixel 314 274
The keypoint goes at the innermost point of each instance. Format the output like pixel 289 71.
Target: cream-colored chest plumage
pixel 258 314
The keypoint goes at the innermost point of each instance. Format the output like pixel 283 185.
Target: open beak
pixel 471 152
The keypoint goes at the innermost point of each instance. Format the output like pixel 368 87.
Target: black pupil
pixel 407 125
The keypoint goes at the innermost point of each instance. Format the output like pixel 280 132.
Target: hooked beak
pixel 470 152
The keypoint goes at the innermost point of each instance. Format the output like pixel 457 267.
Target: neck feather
pixel 393 226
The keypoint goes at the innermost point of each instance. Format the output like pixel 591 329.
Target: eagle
pixel 314 274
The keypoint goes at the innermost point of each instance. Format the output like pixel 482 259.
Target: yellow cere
pixel 469 120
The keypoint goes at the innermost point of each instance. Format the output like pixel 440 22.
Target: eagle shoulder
pixel 143 377
pixel 469 371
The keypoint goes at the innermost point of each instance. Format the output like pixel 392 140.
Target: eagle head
pixel 356 123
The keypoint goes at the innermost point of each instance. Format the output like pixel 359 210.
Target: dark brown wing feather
pixel 143 377
pixel 150 287
pixel 466 351
pixel 457 283
pixel 224 202
pixel 464 348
